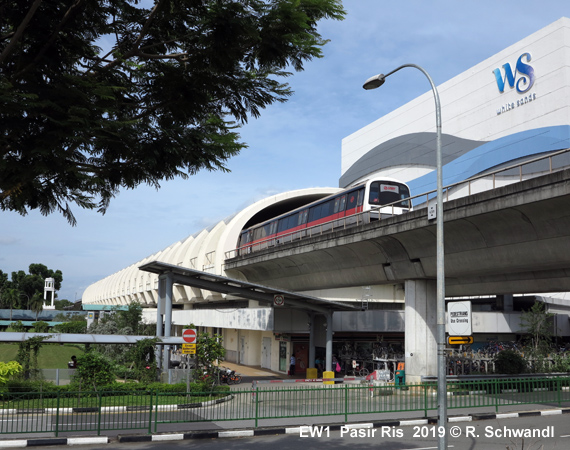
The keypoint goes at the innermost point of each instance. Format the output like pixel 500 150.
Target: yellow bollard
pixel 311 373
pixel 328 374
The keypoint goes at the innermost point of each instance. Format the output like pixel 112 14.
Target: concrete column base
pixel 421 329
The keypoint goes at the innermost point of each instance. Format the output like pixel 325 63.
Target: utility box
pixel 311 373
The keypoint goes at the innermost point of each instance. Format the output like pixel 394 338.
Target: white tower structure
pixel 49 286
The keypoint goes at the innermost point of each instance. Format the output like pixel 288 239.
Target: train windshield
pixel 384 192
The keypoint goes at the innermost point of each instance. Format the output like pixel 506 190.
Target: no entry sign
pixel 189 335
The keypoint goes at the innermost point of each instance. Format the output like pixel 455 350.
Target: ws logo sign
pixel 524 71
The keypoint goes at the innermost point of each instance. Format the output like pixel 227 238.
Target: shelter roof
pixel 244 289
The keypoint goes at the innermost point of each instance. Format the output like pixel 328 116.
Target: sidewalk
pixel 250 373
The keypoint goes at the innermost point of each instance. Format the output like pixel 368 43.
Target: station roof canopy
pixel 69 338
pixel 244 289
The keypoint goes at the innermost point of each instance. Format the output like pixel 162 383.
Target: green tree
pixel 537 323
pixel 130 320
pixel 30 287
pixel 142 356
pixel 126 322
pixel 28 356
pixel 40 327
pixel 60 305
pixel 36 303
pixel 162 100
pixel 71 323
pixel 75 327
pixel 4 283
pixel 509 362
pixel 11 299
pixel 17 327
pixel 209 353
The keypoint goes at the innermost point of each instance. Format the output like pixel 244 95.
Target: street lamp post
pixel 373 83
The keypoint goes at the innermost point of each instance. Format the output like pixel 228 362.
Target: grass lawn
pixel 51 356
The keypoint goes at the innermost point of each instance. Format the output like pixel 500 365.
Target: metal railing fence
pixel 62 411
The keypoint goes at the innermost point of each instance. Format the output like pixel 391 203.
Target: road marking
pixel 237 433
pixel 167 437
pixel 413 422
pixel 426 448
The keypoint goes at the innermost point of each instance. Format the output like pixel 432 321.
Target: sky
pixel 293 145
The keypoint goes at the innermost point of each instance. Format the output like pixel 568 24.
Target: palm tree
pixel 11 298
pixel 37 303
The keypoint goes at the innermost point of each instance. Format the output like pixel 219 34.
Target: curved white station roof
pixel 203 251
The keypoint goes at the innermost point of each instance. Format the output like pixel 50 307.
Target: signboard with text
pixel 188 349
pixel 459 321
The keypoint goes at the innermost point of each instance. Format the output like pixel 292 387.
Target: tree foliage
pixel 510 362
pixel 8 370
pixel 101 95
pixel 209 353
pixel 28 356
pixel 40 327
pixel 537 322
pixel 126 322
pixel 76 324
pixel 143 358
pixel 60 305
pixel 93 370
pixel 26 290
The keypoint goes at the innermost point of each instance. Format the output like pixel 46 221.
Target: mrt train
pixel 338 210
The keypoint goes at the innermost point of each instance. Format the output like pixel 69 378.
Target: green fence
pixel 60 412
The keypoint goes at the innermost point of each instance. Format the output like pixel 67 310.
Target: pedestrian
pixel 335 366
pixel 319 364
pixel 292 366
pixel 73 363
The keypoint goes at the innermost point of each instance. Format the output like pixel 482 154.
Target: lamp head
pixel 374 82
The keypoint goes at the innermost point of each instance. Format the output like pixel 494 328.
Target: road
pixel 478 435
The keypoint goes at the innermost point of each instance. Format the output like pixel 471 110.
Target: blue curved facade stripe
pixel 496 153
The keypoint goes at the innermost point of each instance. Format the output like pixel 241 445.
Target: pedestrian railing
pixel 59 412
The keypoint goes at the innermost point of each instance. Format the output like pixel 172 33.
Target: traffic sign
pixel 189 351
pixel 189 346
pixel 189 335
pixel 456 340
pixel 459 321
pixel 278 300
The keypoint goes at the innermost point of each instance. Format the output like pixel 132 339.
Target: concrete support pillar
pixel 329 342
pixel 168 287
pixel 164 317
pixel 311 340
pixel 160 318
pixel 421 329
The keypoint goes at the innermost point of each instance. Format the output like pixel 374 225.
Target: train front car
pixel 368 200
pixel 386 197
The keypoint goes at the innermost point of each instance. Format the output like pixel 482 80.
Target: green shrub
pixel 74 327
pixel 92 370
pixel 509 362
pixel 125 373
pixel 561 363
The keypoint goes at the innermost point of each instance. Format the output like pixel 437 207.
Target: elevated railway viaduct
pixel 514 239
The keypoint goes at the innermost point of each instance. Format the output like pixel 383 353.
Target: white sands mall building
pixel 512 107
